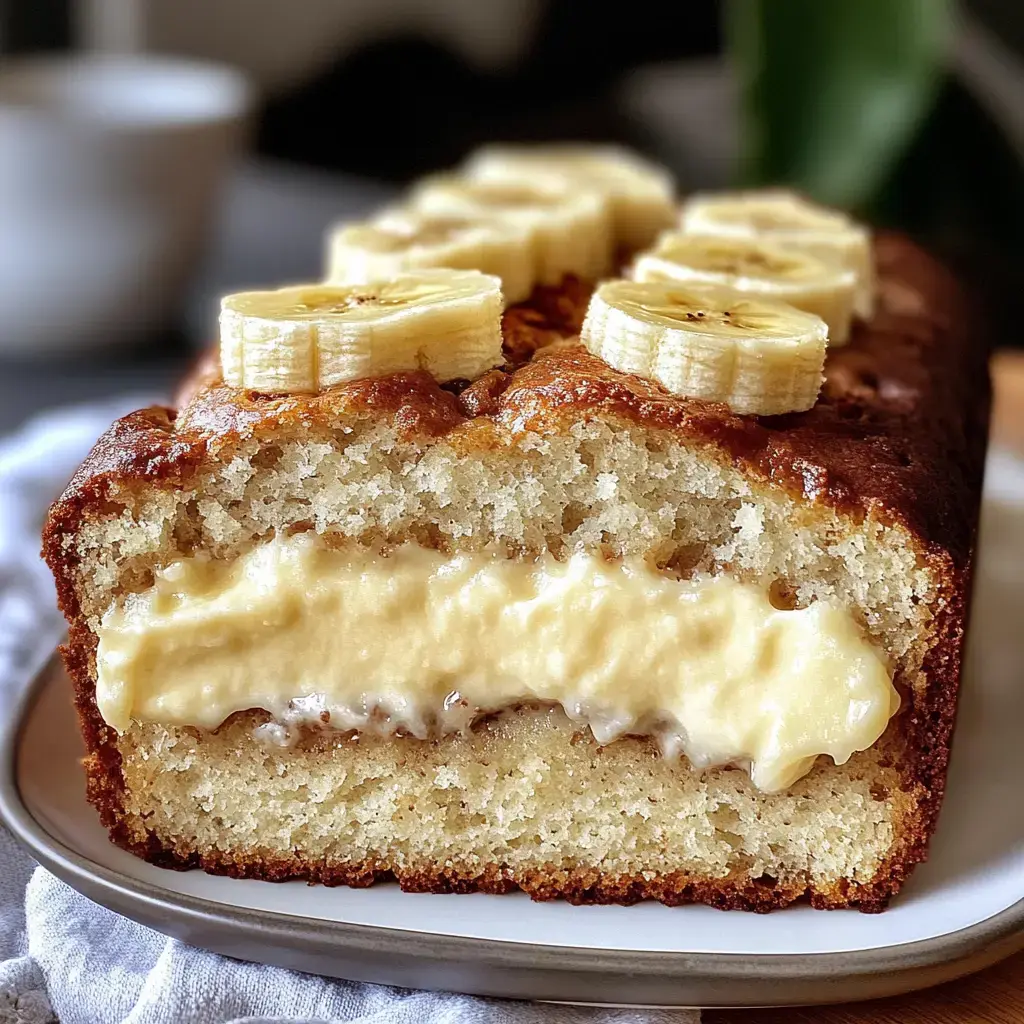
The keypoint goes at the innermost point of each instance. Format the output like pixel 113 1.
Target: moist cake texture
pixel 869 499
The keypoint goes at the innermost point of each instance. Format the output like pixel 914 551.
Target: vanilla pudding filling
pixel 423 642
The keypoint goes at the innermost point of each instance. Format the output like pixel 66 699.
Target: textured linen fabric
pixel 64 958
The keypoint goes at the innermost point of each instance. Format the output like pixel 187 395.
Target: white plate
pixel 962 909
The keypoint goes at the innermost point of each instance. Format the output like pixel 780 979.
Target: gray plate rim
pixel 519 970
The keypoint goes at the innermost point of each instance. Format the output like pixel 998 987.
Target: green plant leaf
pixel 832 91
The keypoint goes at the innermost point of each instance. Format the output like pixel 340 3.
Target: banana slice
pixel 758 269
pixel 756 356
pixel 309 337
pixel 400 239
pixel 778 215
pixel 570 228
pixel 641 194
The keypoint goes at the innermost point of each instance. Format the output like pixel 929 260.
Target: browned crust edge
pixel 142 446
pixel 578 887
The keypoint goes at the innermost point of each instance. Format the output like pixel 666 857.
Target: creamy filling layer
pixel 423 642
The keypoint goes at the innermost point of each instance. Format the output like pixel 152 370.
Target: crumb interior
pixel 525 793
pixel 599 486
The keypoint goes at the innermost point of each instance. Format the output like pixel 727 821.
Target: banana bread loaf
pixel 247 509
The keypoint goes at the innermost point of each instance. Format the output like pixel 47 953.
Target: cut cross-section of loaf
pixel 270 725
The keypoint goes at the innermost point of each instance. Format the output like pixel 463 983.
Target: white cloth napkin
pixel 63 957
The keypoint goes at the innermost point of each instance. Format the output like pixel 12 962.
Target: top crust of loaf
pixel 897 435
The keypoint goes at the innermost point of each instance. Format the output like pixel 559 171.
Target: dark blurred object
pixel 31 26
pixel 1005 18
pixel 960 190
pixel 831 94
pixel 404 106
pixel 852 102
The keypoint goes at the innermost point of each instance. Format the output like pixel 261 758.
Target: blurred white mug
pixel 110 167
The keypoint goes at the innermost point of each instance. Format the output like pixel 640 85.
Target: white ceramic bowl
pixel 109 172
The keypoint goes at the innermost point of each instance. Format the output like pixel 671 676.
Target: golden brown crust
pixel 898 435
pixel 579 887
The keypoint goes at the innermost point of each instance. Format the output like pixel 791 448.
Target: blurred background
pixel 128 203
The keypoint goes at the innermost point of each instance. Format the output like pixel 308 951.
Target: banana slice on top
pixel 402 239
pixel 778 215
pixel 570 228
pixel 758 269
pixel 641 194
pixel 756 356
pixel 306 338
